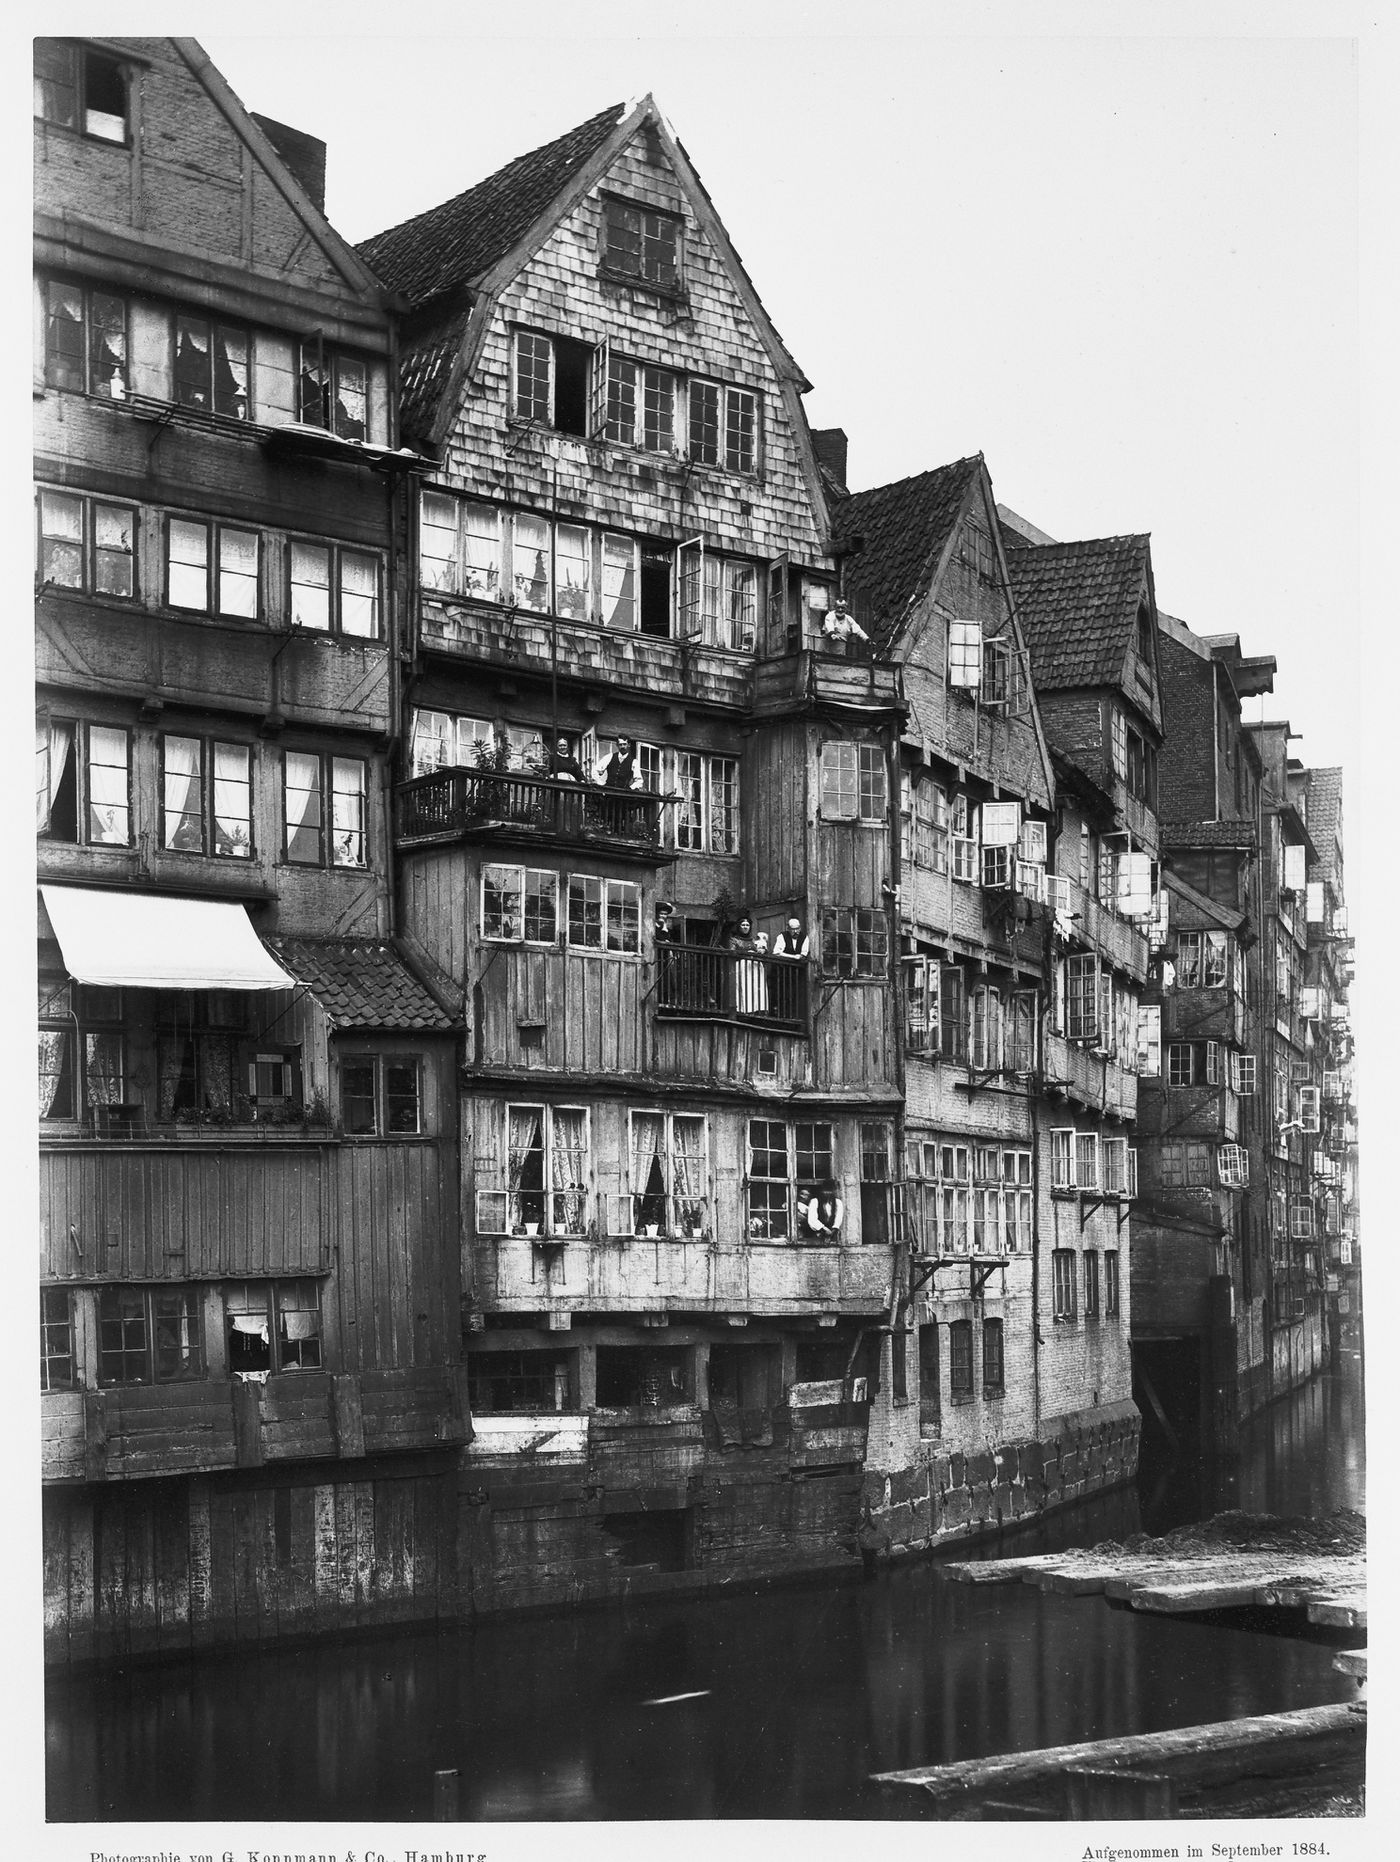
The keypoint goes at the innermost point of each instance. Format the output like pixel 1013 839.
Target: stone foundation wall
pixel 945 1497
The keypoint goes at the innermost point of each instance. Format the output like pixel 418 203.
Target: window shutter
pixel 1213 1075
pixel 1031 842
pixel 1149 1038
pixel 690 580
pixel 1295 869
pixel 598 391
pixel 1131 1181
pixel 964 655
pixel 1135 885
pixel 491 1213
pixel 1001 824
pixel 777 619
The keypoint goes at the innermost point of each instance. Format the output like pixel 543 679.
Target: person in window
pixel 620 772
pixel 791 948
pixel 841 631
pixel 562 763
pixel 824 1210
pixel 750 982
pixel 663 936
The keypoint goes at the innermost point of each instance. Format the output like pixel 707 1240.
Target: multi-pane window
pixel 993 1358
pixel 852 782
pixel 333 392
pixel 1110 1284
pixel 1202 959
pixel 57 1365
pixel 1082 998
pixel 1118 738
pixel 1091 1283
pixel 85 543
pixel 551 381
pixel 57 1034
pixel 379 1095
pixel 529 1382
pixel 459 546
pixel 642 244
pixel 519 904
pixel 272 1325
pixel 206 797
pixel 1149 1038
pixel 1119 1167
pixel 1184 1163
pixel 85 348
pixel 212 568
pixel 84 783
pixel 211 367
pixel 1194 1063
pixel 964 656
pixel 1062 1277
pixel 334 588
pixel 1142 769
pixel 707 815
pixel 1244 1074
pixel 641 406
pixel 960 1358
pixel 149 1335
pixel 985 1030
pixel 78 88
pixel 669 1173
pixel 929 844
pixel 855 942
pixel 307 780
pixel 547 1174
pixel 782 1159
pixel 604 914
pixel 723 425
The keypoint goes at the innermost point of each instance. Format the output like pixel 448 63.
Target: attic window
pixel 551 381
pixel 1144 632
pixel 639 243
pixel 79 89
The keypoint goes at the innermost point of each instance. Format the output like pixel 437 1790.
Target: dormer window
pixel 1144 633
pixel 642 244
pixel 80 89
pixel 723 426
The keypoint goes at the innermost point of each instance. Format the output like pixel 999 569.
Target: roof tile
pixel 360 982
pixel 1077 604
pixel 453 244
pixel 905 527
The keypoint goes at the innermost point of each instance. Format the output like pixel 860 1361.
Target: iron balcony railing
pixel 459 801
pixel 724 985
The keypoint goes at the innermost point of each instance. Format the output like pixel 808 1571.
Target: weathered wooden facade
pixel 250 1351
pixel 671 1355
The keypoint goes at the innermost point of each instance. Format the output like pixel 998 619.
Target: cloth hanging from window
pixel 251 1325
pixel 298 1325
pixel 569 1169
pixel 53 746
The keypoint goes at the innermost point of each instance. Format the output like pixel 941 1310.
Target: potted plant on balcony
pixel 487 798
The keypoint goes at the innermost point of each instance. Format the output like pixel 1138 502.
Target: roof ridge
pixel 914 478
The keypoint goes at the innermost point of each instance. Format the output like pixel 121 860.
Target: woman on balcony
pixel 750 980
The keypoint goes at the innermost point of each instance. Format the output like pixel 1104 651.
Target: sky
pixel 1122 268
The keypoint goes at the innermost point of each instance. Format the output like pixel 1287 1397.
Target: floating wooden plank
pixel 1346 1610
pixel 1351 1662
pixel 1264 1745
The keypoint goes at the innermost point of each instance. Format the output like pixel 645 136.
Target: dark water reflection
pixel 802 1692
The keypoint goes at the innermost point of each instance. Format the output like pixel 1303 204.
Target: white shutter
pixel 1030 843
pixel 1135 885
pixel 1001 824
pixel 1295 869
pixel 1316 902
pixel 690 582
pixel 1132 1173
pixel 964 655
pixel 1149 1038
pixel 491 1213
pixel 1213 1075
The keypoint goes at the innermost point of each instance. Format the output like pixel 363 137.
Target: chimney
pixel 304 155
pixel 830 446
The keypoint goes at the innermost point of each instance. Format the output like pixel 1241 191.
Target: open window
pixel 79 88
pixel 964 656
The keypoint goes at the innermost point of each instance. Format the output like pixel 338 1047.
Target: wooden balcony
pixel 473 633
pixel 623 1274
pixel 814 679
pixel 1119 940
pixel 520 809
pixel 1095 1080
pixel 720 985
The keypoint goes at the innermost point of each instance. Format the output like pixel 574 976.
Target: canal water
pixel 777 1703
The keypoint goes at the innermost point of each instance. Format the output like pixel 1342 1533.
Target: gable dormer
pixel 584 338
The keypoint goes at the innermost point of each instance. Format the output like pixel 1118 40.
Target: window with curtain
pixel 302 807
pixel 182 810
pixel 347 811
pixel 108 786
pixel 526 1161
pixel 530 562
pixel 649 1202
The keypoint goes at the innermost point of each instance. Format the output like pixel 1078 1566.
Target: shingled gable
pixel 338 253
pixel 458 257
pixel 1078 605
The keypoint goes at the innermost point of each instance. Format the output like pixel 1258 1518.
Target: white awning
pixel 143 940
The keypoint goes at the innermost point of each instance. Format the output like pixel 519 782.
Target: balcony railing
pixel 449 802
pixel 723 985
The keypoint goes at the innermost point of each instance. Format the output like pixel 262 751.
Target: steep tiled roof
pixel 1207 833
pixel 455 243
pixel 905 527
pixel 360 982
pixel 1078 606
pixel 1324 801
